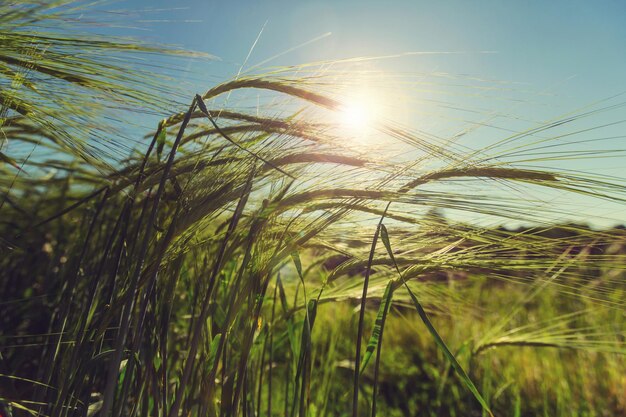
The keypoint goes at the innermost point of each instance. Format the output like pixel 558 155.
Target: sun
pixel 358 112
pixel 355 115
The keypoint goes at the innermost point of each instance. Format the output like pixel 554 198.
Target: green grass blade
pixel 357 355
pixel 376 331
pixel 213 350
pixel 442 345
pixel 438 340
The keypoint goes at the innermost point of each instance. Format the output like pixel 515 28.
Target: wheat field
pixel 253 254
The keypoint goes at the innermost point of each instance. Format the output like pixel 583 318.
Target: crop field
pixel 272 245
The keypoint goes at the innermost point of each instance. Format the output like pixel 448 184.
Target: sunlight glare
pixel 354 115
pixel 358 113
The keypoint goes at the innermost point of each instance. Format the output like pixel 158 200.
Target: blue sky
pixel 559 55
pixel 539 42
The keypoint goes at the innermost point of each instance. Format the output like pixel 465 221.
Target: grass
pixel 218 269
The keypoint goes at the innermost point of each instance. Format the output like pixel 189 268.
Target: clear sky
pixel 539 42
pixel 559 55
